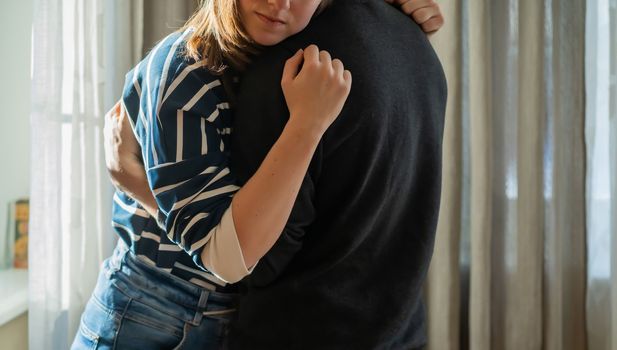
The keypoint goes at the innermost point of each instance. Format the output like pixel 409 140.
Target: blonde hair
pixel 218 36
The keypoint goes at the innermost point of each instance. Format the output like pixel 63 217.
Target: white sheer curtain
pixel 70 194
pixel 81 51
pixel 45 225
pixel 510 263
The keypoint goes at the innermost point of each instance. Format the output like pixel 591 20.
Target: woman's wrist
pixel 303 131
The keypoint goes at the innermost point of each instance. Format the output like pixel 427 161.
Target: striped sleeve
pixel 187 168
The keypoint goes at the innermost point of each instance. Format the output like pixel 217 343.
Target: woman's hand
pixel 315 93
pixel 123 159
pixel 426 13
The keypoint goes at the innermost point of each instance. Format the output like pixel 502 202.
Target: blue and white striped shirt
pixel 181 118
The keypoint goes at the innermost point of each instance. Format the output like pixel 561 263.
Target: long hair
pixel 218 36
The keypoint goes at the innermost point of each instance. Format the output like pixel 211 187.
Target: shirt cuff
pixel 223 256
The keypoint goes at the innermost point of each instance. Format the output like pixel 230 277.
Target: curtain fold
pixel 45 247
pixel 513 208
pixel 613 171
pixel 601 139
pixel 566 253
pixel 90 237
pixel 525 326
pixel 164 16
pixel 444 274
pixel 481 174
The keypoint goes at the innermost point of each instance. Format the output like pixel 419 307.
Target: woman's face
pixel 269 22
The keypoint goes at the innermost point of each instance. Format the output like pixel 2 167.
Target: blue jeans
pixel 137 306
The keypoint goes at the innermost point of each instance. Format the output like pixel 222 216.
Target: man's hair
pixel 218 36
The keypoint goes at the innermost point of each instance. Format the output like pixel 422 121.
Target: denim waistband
pixel 142 281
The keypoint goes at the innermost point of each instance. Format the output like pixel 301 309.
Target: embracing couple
pixel 278 166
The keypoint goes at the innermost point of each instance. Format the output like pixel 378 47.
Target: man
pixel 348 270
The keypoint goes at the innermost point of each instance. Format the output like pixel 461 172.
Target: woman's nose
pixel 279 4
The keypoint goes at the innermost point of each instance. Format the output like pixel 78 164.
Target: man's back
pixel 349 268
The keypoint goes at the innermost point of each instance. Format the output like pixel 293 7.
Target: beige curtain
pixel 509 269
pixel 161 17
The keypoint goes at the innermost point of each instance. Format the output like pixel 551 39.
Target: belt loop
pixel 115 262
pixel 201 306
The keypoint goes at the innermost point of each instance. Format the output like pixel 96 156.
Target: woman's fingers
pixel 311 55
pixel 318 92
pixel 338 67
pixel 426 13
pixel 410 6
pixel 292 67
pixel 432 25
pixel 324 57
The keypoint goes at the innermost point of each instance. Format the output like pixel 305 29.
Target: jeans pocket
pixel 143 326
pixel 182 344
pixel 85 338
pixel 98 326
pixel 210 334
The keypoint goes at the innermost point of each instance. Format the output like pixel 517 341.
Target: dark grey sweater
pixel 348 270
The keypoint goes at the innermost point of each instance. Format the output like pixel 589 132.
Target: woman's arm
pixel 315 95
pixel 426 13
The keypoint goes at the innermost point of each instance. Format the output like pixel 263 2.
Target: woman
pixel 169 287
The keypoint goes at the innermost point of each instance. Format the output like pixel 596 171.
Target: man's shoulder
pixel 375 41
pixel 366 17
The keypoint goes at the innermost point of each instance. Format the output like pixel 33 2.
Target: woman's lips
pixel 275 22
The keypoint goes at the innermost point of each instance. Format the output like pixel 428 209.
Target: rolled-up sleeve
pixel 223 253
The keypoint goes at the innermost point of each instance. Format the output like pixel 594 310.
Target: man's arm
pixel 123 159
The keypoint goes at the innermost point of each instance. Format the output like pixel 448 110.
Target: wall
pixel 14 334
pixel 15 38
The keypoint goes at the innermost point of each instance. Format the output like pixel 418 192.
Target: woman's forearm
pixel 315 88
pixel 262 206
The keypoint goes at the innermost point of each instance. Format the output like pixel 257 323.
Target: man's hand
pixel 426 13
pixel 117 139
pixel 123 159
